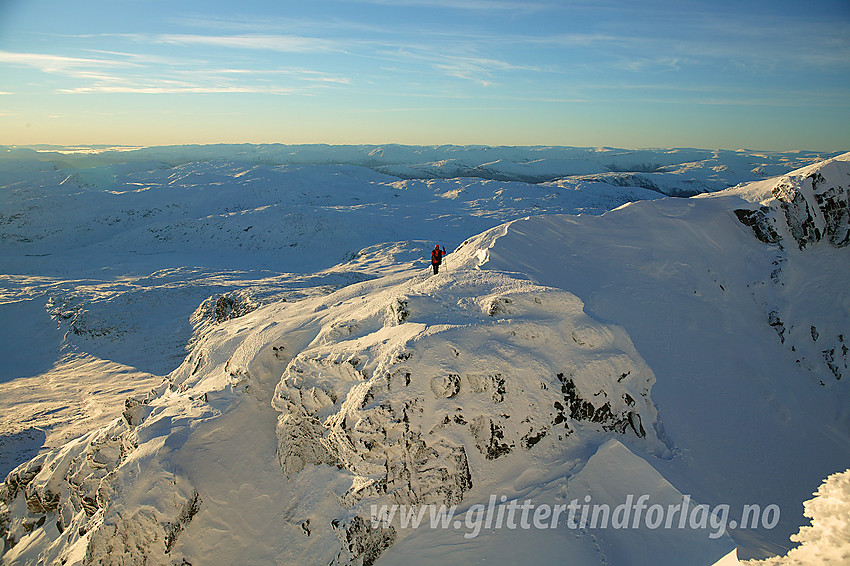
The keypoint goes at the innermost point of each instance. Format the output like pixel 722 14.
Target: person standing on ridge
pixel 437 258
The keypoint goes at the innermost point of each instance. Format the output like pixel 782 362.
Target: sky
pixel 730 74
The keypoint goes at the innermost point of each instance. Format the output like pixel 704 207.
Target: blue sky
pixel 761 74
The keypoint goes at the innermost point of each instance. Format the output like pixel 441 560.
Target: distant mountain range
pixel 680 172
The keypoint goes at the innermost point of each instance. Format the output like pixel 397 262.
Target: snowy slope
pixel 104 265
pixel 299 416
pixel 746 338
pixel 290 218
pixel 669 348
pixel 108 263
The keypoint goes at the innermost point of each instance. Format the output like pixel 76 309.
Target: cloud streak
pixel 56 63
pixel 285 43
pixel 138 73
pixel 484 50
pixel 466 5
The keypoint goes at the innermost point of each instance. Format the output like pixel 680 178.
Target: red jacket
pixel 437 256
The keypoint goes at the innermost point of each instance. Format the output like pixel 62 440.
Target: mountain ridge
pixel 644 342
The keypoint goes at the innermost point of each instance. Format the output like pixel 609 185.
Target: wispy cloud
pixel 274 42
pixel 306 75
pixel 122 72
pixel 478 69
pixel 476 5
pixel 309 27
pixel 145 58
pixel 174 87
pixel 213 81
pixel 650 63
pixel 241 54
pixel 56 63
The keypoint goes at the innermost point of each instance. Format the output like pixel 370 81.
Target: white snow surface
pixel 665 348
pixel 675 171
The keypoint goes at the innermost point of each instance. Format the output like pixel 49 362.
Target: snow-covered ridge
pixel 744 336
pixel 806 211
pixel 807 205
pixel 554 358
pixel 415 390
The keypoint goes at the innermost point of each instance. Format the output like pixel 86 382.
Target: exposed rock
pixel 136 410
pixel 499 306
pixel 836 360
pixel 362 543
pixel 576 408
pixel 777 324
pixel 833 200
pixel 636 424
pixel 494 384
pixel 143 534
pixel 533 438
pixel 798 214
pixel 173 529
pixel 42 501
pixel 398 311
pixel 810 205
pixel 300 442
pixel 226 306
pixel 20 477
pixel 761 222
pixel 446 385
pixel 489 437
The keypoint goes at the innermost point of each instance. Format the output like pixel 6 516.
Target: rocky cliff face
pixel 799 213
pixel 86 499
pixel 807 206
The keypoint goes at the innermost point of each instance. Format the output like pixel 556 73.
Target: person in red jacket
pixel 437 258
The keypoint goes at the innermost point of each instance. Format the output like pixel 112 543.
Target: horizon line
pixel 137 147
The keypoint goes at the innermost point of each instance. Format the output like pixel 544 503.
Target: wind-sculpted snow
pixel 413 390
pixel 400 394
pixel 827 539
